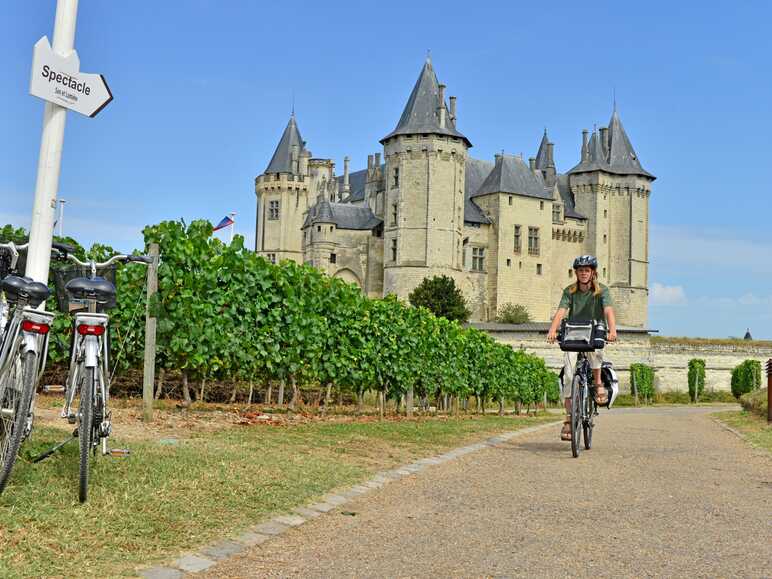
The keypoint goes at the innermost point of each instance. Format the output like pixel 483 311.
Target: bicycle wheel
pixel 19 388
pixel 576 415
pixel 85 428
pixel 589 422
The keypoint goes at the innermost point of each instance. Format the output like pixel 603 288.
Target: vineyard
pixel 231 319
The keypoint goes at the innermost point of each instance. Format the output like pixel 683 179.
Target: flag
pixel 226 221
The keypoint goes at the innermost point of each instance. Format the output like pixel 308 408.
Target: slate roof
pixel 542 157
pixel 476 170
pixel 356 181
pixel 343 215
pixel 569 207
pixel 281 162
pixel 421 113
pixel 511 175
pixel 620 159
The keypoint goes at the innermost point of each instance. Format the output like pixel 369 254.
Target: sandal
pixel 565 433
pixel 601 396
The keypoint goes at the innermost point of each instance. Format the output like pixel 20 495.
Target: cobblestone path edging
pixel 209 555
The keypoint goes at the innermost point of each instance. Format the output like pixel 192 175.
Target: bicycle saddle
pixel 84 288
pixel 16 287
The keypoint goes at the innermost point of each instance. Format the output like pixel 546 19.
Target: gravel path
pixel 667 492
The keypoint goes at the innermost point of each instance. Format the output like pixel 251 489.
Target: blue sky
pixel 203 90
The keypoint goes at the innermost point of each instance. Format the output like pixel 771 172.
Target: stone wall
pixel 670 359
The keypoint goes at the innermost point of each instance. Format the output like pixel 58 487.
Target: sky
pixel 204 88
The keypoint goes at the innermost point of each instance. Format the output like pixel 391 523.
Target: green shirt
pixel 586 306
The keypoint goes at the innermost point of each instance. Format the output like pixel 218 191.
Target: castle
pixel 506 231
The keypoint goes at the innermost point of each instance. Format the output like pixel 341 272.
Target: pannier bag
pixel 582 336
pixel 608 377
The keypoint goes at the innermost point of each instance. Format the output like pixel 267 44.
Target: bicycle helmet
pixel 586 261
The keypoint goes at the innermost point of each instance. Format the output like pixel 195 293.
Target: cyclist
pixel 587 299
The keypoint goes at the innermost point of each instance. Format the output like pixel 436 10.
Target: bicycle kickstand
pixel 53 449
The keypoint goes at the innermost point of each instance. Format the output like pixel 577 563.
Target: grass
pixel 753 427
pixel 165 498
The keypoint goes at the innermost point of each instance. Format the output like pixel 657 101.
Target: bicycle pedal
pixel 51 388
pixel 119 452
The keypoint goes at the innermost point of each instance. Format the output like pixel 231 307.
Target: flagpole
pixel 233 224
pixel 61 217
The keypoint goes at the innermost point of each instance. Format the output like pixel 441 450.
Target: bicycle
pixel 582 337
pixel 23 351
pixel 89 362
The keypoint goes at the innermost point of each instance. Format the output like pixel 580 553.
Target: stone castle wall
pixel 670 359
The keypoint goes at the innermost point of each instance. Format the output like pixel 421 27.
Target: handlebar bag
pixel 577 337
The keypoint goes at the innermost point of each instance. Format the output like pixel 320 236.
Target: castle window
pixel 605 213
pixel 509 262
pixel 570 272
pixel 604 273
pixel 396 177
pixel 541 204
pixel 394 249
pixel 333 258
pixel 273 209
pixel 538 269
pixel 272 257
pixel 394 214
pixel 604 238
pixel 510 199
pixel 533 241
pixel 556 213
pixel 478 259
pixel 517 239
pixel 319 228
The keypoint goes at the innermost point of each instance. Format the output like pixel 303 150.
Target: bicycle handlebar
pixel 114 259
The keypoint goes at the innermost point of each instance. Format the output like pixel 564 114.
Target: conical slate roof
pixel 281 162
pixel 422 111
pixel 542 157
pixel 620 158
pixel 511 175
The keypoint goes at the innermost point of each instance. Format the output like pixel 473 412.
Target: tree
pixel 440 296
pixel 513 314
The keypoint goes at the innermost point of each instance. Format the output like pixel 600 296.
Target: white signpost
pixel 56 79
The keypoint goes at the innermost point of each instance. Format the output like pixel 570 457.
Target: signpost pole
pixel 233 225
pixel 49 163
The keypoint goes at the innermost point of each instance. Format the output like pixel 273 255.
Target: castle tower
pixel 612 189
pixel 424 174
pixel 282 198
pixel 545 161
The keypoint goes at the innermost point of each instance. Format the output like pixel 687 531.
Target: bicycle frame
pixel 89 350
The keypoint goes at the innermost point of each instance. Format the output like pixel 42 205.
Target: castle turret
pixel 545 161
pixel 282 198
pixel 424 178
pixel 612 188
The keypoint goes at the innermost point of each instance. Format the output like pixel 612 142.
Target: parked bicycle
pixel 23 350
pixel 90 296
pixel 582 337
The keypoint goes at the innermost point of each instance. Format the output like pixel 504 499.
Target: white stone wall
pixel 670 360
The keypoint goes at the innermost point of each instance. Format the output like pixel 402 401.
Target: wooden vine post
pixel 148 376
pixel 769 390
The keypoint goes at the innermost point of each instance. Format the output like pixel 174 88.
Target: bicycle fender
pixel 30 342
pixel 91 348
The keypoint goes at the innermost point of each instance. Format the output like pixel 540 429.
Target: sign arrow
pixel 56 79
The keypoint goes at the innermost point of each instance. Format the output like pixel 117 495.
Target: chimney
pixel 369 164
pixel 295 160
pixel 604 139
pixel 377 164
pixel 550 152
pixel 549 170
pixel 303 163
pixel 532 164
pixel 585 146
pixel 346 186
pixel 498 157
pixel 453 109
pixel 443 112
